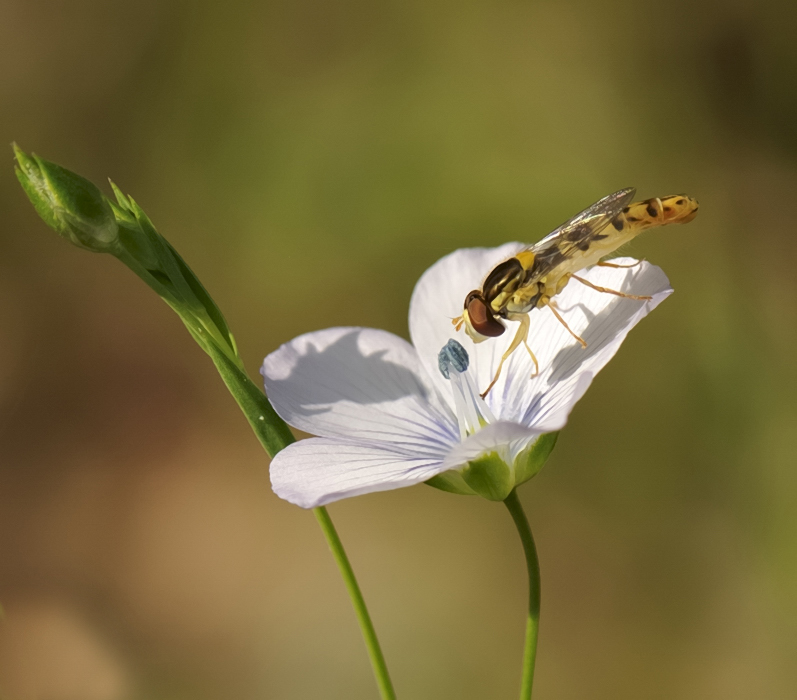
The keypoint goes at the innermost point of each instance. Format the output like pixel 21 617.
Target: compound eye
pixel 481 316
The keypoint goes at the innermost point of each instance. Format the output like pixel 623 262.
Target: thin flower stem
pixel 275 435
pixel 181 289
pixel 366 626
pixel 515 508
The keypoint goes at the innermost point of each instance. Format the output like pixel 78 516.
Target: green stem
pixel 275 435
pixel 515 508
pixel 78 211
pixel 272 432
pixel 366 626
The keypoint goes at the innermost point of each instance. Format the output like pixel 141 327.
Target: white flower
pixel 386 416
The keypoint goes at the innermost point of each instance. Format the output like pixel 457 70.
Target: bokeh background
pixel 310 159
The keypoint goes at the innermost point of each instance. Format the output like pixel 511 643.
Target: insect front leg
pixel 606 290
pixel 520 337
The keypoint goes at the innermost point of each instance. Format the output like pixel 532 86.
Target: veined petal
pixel 508 439
pixel 317 471
pixel 566 369
pixel 360 384
pixel 438 298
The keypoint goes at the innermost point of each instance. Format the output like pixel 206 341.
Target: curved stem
pixel 275 435
pixel 366 626
pixel 147 253
pixel 515 509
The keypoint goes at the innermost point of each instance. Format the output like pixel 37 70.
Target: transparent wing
pixel 586 224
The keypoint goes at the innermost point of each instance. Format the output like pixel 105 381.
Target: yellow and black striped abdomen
pixel 659 211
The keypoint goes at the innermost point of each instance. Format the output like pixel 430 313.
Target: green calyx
pixel 491 477
pixel 531 461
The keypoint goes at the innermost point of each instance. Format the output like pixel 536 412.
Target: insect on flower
pixel 388 414
pixel 535 275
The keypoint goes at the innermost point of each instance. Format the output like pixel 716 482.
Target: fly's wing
pixel 579 231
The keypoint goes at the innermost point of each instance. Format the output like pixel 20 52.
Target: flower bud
pixel 70 204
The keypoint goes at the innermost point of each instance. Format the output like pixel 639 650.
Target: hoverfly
pixel 534 276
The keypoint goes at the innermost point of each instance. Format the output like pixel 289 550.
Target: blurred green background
pixel 310 160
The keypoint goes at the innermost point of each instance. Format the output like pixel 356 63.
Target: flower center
pixel 472 412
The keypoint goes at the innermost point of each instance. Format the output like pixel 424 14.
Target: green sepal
pixel 68 203
pixel 452 482
pixel 121 197
pixel 529 462
pixel 203 299
pixel 154 259
pixel 489 476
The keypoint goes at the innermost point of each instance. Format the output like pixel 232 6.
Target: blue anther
pixel 452 356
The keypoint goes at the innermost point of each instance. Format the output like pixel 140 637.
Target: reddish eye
pixel 481 317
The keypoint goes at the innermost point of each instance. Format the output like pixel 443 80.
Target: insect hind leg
pixel 606 290
pixel 606 263
pixel 559 318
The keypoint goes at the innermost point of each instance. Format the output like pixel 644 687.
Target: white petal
pixel 439 297
pixel 496 437
pixel 358 383
pixel 318 471
pixel 566 369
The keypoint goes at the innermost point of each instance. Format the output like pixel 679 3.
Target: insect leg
pixel 520 337
pixel 533 359
pixel 564 323
pixel 524 320
pixel 606 290
pixel 603 263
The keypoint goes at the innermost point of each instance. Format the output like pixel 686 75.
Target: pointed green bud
pixel 70 204
pixel 491 477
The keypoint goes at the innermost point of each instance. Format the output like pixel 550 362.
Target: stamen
pixel 472 412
